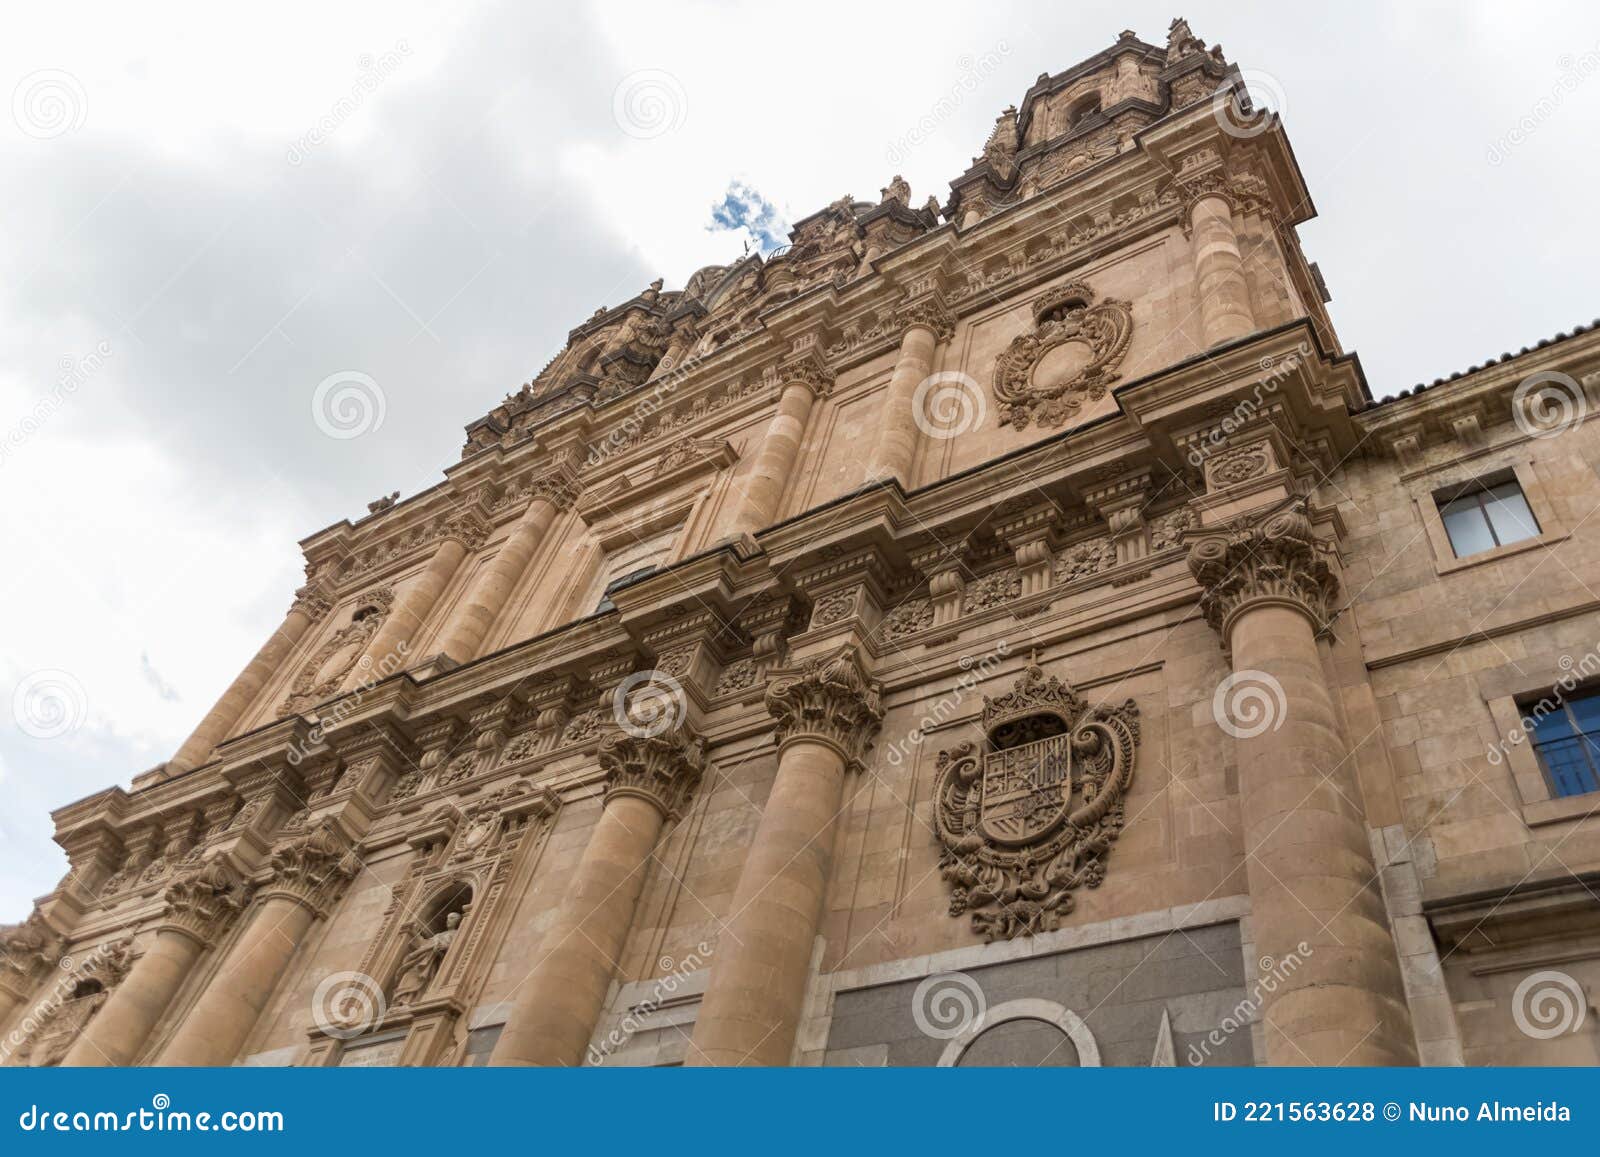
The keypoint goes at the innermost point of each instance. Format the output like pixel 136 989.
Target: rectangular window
pixel 1488 517
pixel 1568 745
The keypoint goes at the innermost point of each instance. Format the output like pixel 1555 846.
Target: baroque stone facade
pixel 1015 605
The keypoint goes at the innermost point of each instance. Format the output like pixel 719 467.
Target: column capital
pixel 831 699
pixel 201 902
pixel 312 868
pixel 809 371
pixel 1276 558
pixel 929 313
pixel 469 528
pixel 664 769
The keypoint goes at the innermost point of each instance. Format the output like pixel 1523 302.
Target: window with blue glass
pixel 1487 517
pixel 1568 743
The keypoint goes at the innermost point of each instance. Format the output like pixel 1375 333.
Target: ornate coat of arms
pixel 1071 357
pixel 1031 817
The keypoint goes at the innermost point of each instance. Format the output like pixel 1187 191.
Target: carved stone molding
pixel 831 699
pixel 1030 818
pixel 325 671
pixel 1070 357
pixel 312 868
pixel 26 951
pixel 807 371
pixel 1275 559
pixel 200 903
pixel 664 769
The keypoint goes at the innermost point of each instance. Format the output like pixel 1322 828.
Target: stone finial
pixel 1277 558
pixel 201 902
pixel 663 769
pixel 830 699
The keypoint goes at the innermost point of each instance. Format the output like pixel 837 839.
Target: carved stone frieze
pixel 992 590
pixel 831 699
pixel 1069 358
pixel 1277 558
pixel 1030 816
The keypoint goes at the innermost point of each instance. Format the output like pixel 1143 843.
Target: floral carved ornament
pixel 1070 357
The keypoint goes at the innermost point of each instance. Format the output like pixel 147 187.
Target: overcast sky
pixel 209 211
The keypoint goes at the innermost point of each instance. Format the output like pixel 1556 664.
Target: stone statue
pixel 422 962
pixel 897 190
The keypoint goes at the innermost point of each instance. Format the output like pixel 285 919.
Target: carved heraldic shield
pixel 1030 818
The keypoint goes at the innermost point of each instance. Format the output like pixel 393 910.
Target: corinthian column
pixel 774 464
pixel 648 780
pixel 199 905
pixel 1314 895
pixel 309 606
pixel 308 874
pixel 492 587
pixel 387 652
pixel 926 324
pixel 1219 270
pixel 827 716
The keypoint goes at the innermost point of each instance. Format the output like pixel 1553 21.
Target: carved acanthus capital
pixel 664 769
pixel 469 528
pixel 807 371
pixel 312 867
pixel 559 487
pixel 832 700
pixel 201 902
pixel 313 601
pixel 931 315
pixel 1275 559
